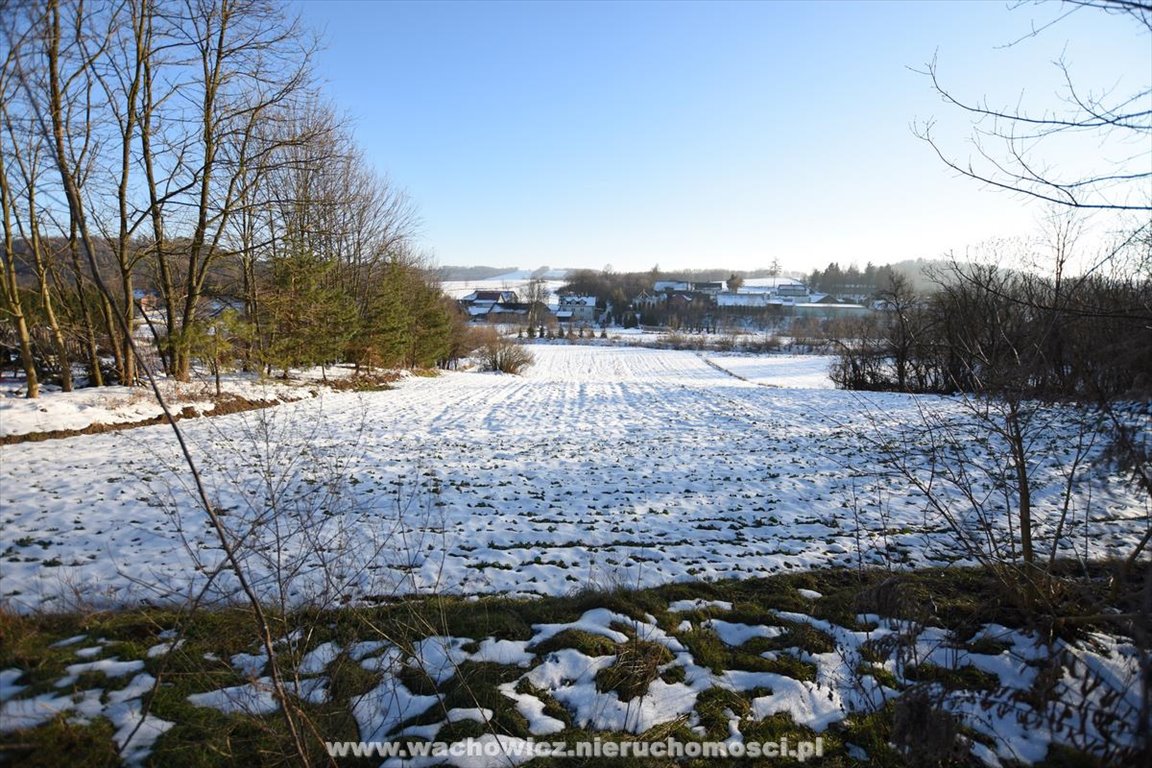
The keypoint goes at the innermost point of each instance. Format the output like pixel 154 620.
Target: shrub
pixel 504 355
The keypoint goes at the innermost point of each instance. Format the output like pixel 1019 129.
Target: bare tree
pixel 1010 142
pixel 535 295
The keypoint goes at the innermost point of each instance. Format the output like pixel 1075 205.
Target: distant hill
pixel 918 272
pixel 511 274
pixel 472 273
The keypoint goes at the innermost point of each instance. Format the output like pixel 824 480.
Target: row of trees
pixel 992 329
pixel 850 280
pixel 180 149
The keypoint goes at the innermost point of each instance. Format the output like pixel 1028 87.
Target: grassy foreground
pixel 905 731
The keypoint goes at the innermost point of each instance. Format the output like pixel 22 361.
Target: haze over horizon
pixel 692 135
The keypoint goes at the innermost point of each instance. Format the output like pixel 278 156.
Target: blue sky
pixel 695 134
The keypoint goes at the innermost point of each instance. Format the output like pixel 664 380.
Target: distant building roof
pixel 491 296
pixel 572 300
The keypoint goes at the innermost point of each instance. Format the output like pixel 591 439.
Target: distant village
pixel 736 304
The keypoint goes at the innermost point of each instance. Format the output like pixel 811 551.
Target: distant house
pixel 792 290
pixel 576 309
pixel 710 288
pixel 504 307
pixel 146 300
pixel 680 286
pixel 742 300
pixel 480 304
pixel 514 313
pixel 645 299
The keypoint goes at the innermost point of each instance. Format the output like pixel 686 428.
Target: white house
pixel 576 309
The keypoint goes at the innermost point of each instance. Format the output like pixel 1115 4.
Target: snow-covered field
pixel 791 371
pixel 601 466
pixel 511 281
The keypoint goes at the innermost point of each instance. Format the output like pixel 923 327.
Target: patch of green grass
pixel 59 742
pixel 707 649
pixel 552 708
pixel 477 685
pixel 871 732
pixel 783 664
pixel 674 674
pixel 882 675
pixel 585 642
pixel 712 707
pixel 879 649
pixel 203 736
pixel 417 680
pixel 796 634
pixel 773 727
pixel 461 730
pixel 966 677
pixel 957 599
pixel 347 679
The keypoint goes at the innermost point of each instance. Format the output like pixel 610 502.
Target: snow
pixel 255 698
pixel 815 707
pixel 18 714
pixel 507 652
pixel 511 281
pixel 160 649
pixel 477 714
pixel 109 667
pixel 318 659
pixel 735 634
pixel 249 664
pixel 787 371
pixel 438 657
pixel 532 709
pixel 55 410
pixel 600 466
pixel 682 606
pixel 595 622
pixel 69 641
pixel 381 709
pixel 358 651
pixel 8 679
pixel 135 735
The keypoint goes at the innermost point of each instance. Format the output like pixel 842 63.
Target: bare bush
pixel 497 353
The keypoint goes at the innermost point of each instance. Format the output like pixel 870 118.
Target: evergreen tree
pixel 309 321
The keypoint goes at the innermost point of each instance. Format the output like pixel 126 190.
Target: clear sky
pixel 692 135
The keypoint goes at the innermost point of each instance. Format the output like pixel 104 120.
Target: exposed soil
pixel 224 405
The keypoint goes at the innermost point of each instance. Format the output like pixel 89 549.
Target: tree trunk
pixel 1017 445
pixel 11 290
pixel 46 302
pixel 91 348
